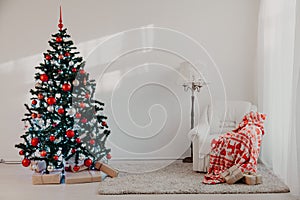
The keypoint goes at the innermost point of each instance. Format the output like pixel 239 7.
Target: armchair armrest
pixel 200 130
pixel 201 137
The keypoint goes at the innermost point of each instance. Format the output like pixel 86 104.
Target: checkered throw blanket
pixel 239 147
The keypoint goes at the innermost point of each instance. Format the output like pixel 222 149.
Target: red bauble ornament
pixel 67 54
pixel 60 56
pixel 59 71
pixel 78 140
pixel 34 141
pixel 82 71
pixel 39 115
pixel 43 153
pixel 74 70
pixel 34 102
pixel 87 95
pixel 84 120
pixel 88 162
pixel 92 142
pixel 34 115
pixel 108 156
pixel 40 96
pixel 21 152
pixel 76 168
pixel 52 138
pixel 59 39
pixel 61 111
pixel 70 133
pixel 73 151
pixel 26 162
pixel 66 87
pixel 51 100
pixel 82 105
pixel 44 77
pixel 55 157
pixel 67 169
pixel 78 115
pixel 104 123
pixel 48 57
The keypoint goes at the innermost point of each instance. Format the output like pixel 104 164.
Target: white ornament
pixel 71 63
pixel 50 168
pixel 71 111
pixel 50 108
pixel 93 135
pixel 81 157
pixel 75 82
pixel 57 96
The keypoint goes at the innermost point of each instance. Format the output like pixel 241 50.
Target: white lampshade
pixel 187 71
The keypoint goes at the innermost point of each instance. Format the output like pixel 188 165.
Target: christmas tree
pixel 63 122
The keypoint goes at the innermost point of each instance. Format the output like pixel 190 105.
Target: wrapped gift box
pixel 252 179
pixel 86 176
pixel 51 178
pixel 233 174
pixel 106 169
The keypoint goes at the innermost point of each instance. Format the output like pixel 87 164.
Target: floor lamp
pixel 193 86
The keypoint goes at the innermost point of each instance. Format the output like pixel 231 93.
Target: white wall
pixel 227 29
pixel 297 64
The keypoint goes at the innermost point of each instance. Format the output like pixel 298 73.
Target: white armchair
pixel 217 118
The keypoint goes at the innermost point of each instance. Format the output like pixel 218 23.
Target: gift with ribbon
pixel 252 178
pixel 86 176
pixel 53 177
pixel 232 175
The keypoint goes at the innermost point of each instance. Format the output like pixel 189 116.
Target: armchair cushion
pixel 224 116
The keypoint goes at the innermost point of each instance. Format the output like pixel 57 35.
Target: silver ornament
pixel 50 168
pixel 50 108
pixel 71 63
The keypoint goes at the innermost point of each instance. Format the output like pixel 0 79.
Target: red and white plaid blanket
pixel 241 146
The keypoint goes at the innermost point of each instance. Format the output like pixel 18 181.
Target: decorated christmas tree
pixel 64 122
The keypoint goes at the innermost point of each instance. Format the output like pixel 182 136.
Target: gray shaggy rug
pixel 178 178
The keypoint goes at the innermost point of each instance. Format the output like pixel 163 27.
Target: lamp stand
pixel 195 86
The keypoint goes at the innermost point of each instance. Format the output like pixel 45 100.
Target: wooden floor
pixel 15 184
